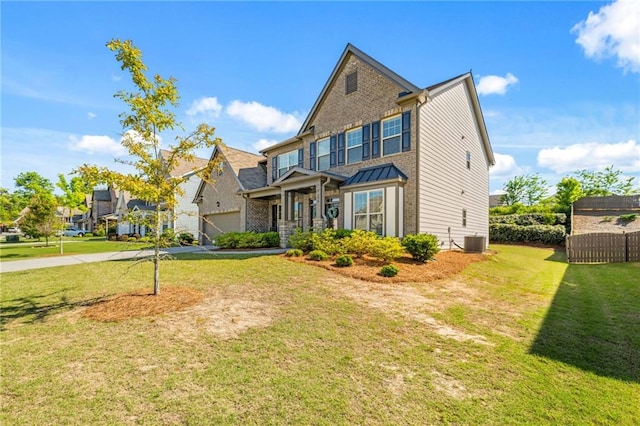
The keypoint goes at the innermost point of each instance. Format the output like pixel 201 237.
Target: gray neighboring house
pixel 377 153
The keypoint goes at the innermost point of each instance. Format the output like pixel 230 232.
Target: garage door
pixel 216 224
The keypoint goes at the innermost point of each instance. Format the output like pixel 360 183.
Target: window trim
pixel 327 155
pixel 289 165
pixel 357 147
pixel 368 214
pixel 397 135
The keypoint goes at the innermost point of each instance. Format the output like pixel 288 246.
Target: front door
pixel 274 217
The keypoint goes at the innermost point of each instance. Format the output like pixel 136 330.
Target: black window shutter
pixel 406 131
pixel 375 139
pixel 332 151
pixel 366 141
pixel 312 156
pixel 340 149
pixel 274 168
pixel 301 158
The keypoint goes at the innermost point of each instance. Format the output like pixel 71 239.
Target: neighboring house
pixel 103 206
pixel 184 217
pixel 131 215
pixel 377 153
pixel 220 206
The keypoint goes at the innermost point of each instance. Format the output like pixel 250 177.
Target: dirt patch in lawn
pixel 142 303
pixel 446 264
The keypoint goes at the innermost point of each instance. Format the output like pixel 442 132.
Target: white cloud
pixel 207 106
pixel 91 115
pixel 624 156
pixel 264 118
pixel 264 143
pixel 505 165
pixel 116 78
pixel 613 31
pixel 92 144
pixel 495 85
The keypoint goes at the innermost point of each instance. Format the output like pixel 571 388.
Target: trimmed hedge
pixel 389 271
pixel 528 219
pixel 249 239
pixel 510 233
pixel 422 247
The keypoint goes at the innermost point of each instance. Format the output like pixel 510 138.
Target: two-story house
pixel 378 153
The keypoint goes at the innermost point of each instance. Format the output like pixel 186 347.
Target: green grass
pixel 561 346
pixel 33 249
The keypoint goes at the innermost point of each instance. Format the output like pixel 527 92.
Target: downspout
pixel 421 100
pixel 322 192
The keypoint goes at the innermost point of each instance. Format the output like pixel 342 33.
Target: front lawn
pixel 77 245
pixel 522 338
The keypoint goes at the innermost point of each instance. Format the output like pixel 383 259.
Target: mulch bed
pixel 446 264
pixel 142 303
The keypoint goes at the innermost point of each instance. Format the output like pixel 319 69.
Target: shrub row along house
pixel 375 152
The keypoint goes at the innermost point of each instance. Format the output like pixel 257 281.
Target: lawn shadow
pixel 558 255
pixel 593 322
pixel 33 309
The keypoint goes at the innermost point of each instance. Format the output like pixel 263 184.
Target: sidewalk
pixel 48 262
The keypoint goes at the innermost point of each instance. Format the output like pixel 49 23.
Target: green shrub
pixel 144 239
pixel 628 217
pixel 527 219
pixel 389 271
pixel 318 255
pixel 422 247
pixel 344 260
pixel 88 234
pixel 327 242
pixel 359 242
pixel 136 236
pixel 509 233
pixel 294 253
pixel 123 237
pixel 342 233
pixel 249 239
pixel 302 240
pixel 185 238
pixel 132 239
pixel 387 249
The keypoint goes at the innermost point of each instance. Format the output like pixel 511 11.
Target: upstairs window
pixel 464 218
pixel 354 146
pixel 287 161
pixel 468 160
pixel 324 149
pixel 391 135
pixel 351 83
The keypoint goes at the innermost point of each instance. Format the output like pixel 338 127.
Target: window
pixel 468 160
pixel 368 211
pixel 297 214
pixel 391 135
pixel 464 218
pixel 220 169
pixel 287 161
pixel 351 83
pixel 324 150
pixel 354 146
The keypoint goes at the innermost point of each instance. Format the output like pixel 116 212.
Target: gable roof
pixel 380 68
pixel 376 174
pixel 101 195
pixel 185 167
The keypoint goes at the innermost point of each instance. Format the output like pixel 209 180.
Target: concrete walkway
pixel 49 262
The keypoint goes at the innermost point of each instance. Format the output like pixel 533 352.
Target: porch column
pixel 286 226
pixel 319 222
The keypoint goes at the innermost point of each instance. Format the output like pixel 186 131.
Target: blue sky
pixel 559 83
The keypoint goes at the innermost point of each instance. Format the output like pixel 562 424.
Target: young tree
pixel 150 114
pixel 526 189
pixel 607 182
pixel 40 219
pixel 568 190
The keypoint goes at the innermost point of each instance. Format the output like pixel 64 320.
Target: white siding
pixel 348 210
pixel 186 218
pixel 446 186
pixel 391 206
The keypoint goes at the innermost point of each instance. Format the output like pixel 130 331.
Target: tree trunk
pixel 156 254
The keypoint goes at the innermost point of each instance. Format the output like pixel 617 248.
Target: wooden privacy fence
pixel 603 248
